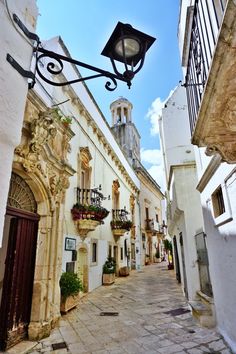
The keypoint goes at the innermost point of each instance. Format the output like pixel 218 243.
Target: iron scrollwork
pixel 56 65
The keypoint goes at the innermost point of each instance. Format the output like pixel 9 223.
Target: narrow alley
pixel 143 313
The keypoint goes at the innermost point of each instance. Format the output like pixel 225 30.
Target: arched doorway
pixel 83 267
pixel 20 234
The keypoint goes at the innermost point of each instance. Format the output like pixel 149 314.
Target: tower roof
pixel 121 101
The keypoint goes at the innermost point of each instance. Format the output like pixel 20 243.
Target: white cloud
pixel 157 173
pixel 153 156
pixel 155 111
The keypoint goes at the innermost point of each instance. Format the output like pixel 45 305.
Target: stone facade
pixel 41 159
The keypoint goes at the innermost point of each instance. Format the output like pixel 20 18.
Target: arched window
pixel 84 170
pixel 115 195
pixel 20 195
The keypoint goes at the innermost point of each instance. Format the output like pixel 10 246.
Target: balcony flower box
pixel 121 224
pixel 89 212
pixel 87 218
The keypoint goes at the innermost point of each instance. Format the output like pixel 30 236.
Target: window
pixel 110 251
pixel 147 213
pixel 115 195
pixel 94 252
pixel 121 253
pixel 70 267
pixel 82 180
pixel 157 219
pixel 218 202
pixel 84 168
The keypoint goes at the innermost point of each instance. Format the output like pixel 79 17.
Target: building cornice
pixel 209 172
pixel 179 166
pixel 148 180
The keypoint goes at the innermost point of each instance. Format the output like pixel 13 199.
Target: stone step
pixel 203 313
pixel 199 308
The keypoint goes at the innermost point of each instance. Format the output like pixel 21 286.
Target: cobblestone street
pixel 143 324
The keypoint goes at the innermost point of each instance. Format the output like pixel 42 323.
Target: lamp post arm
pixel 54 62
pixel 56 66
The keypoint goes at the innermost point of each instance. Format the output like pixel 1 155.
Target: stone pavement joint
pixel 145 302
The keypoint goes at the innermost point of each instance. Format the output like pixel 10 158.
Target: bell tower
pixel 124 130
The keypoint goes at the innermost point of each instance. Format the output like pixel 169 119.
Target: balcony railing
pixel 149 224
pixel 88 206
pixel 154 227
pixel 89 197
pixel 206 22
pixel 120 220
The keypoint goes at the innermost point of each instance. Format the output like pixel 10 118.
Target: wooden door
pixel 17 291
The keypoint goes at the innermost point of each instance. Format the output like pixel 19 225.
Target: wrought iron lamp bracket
pixel 55 65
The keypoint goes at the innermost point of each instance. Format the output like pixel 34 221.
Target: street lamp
pixel 126 45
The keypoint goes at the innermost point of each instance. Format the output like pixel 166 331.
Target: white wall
pixel 180 169
pixel 220 231
pixel 13 87
pixel 189 222
pixel 221 243
pixel 176 133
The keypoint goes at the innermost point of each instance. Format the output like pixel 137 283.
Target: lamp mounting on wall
pixel 126 45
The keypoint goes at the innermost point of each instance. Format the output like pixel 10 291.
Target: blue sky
pixel 86 25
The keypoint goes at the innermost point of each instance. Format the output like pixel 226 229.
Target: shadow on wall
pixel 221 246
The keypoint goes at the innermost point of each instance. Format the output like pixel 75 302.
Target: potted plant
pixel 66 121
pixel 109 268
pixel 70 286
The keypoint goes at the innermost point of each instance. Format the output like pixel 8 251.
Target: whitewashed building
pixel 207 35
pixel 184 212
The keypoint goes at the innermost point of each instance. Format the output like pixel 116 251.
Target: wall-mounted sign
pixel 70 244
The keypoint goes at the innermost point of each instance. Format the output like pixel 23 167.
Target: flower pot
pixel 108 279
pixel 124 271
pixel 69 303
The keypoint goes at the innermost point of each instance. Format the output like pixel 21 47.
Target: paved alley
pixel 142 324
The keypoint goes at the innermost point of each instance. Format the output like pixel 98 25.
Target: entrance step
pixel 203 310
